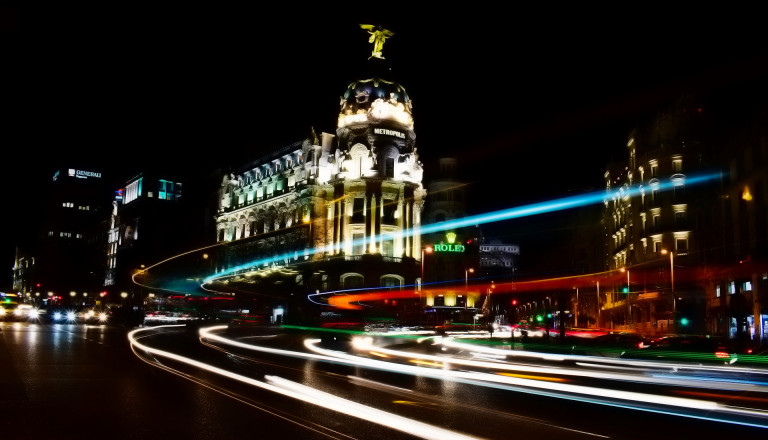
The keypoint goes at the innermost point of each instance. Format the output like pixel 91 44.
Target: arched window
pixel 352 281
pixel 391 280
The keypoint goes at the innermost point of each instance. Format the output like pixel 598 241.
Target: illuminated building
pixel 497 259
pixel 62 261
pixel 328 213
pixel 694 257
pixel 149 222
pixel 450 257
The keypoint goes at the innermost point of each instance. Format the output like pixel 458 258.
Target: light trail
pixel 310 395
pixel 686 407
pixel 495 216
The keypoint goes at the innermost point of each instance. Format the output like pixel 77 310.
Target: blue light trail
pixel 495 216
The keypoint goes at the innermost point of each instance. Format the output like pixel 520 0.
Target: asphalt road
pixel 86 382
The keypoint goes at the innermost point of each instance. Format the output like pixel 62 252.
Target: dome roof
pixel 375 99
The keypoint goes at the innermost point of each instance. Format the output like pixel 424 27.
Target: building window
pixel 656 221
pixel 717 291
pixel 747 286
pixel 677 165
pixel 358 209
pixel 654 170
pixel 680 218
pixel 391 281
pixel 389 168
pixel 352 281
pixel 388 248
pixel 657 246
pixel 681 244
pixel 358 244
pixel 732 287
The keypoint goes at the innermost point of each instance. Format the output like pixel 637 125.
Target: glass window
pixel 358 244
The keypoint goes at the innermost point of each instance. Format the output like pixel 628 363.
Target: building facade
pixel 60 265
pixel 689 258
pixel 331 213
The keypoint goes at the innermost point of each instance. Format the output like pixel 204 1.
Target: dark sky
pixel 533 105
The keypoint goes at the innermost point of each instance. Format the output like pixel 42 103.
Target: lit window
pixel 747 286
pixel 717 291
pixel 732 287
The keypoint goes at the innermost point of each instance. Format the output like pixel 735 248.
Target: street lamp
pixel 576 309
pixel 466 277
pixel 672 281
pixel 428 250
pixel 629 311
pixel 466 284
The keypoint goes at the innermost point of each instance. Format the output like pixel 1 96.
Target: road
pixel 301 383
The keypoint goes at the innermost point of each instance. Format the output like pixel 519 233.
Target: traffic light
pixel 625 289
pixel 549 315
pixel 514 302
pixel 683 321
pixel 539 318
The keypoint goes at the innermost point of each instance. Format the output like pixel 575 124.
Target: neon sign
pixel 450 247
pixel 80 174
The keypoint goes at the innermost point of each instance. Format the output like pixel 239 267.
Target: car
pixel 19 312
pixel 702 349
pixel 611 344
pixel 7 311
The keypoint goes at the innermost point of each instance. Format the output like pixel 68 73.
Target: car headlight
pixel 2 311
pixel 57 316
pixel 34 314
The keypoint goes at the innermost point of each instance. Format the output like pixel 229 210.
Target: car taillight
pixel 722 354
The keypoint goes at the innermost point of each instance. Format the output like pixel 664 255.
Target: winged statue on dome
pixel 378 36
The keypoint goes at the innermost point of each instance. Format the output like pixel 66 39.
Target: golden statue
pixel 378 36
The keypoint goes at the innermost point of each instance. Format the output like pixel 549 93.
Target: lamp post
pixel 576 309
pixel 427 250
pixel 466 284
pixel 424 250
pixel 466 277
pixel 629 311
pixel 672 282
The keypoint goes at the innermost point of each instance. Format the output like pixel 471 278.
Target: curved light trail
pixel 309 395
pixel 693 408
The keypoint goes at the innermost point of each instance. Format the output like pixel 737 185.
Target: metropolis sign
pixel 388 132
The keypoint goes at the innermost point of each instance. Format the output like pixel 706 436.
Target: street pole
pixel 629 310
pixel 598 303
pixel 576 311
pixel 672 287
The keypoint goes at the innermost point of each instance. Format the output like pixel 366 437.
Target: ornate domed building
pixel 329 213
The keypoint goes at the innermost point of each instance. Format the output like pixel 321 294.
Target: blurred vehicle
pixel 697 349
pixel 751 355
pixel 19 312
pixel 611 344
pixel 8 311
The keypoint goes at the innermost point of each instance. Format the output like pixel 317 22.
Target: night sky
pixel 533 105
